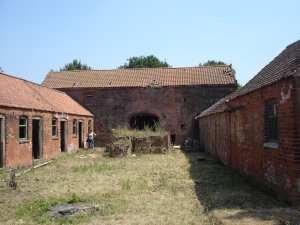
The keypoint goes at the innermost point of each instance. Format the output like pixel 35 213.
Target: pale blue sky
pixel 39 35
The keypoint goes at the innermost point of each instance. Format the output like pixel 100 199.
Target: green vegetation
pixel 172 188
pixel 157 130
pixel 75 65
pixel 35 211
pixel 150 61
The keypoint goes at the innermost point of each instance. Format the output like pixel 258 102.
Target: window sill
pixel 271 145
pixel 54 138
pixel 23 141
pixel 74 136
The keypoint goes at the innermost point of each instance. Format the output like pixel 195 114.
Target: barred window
pixel 272 128
pixel 54 127
pixel 23 127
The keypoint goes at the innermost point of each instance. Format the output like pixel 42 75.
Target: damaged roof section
pixel 19 93
pixel 186 76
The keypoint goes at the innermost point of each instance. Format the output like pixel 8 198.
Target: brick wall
pixel 175 106
pixel 238 137
pixel 19 153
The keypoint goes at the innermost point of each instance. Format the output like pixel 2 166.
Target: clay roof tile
pixel 141 77
pixel 19 93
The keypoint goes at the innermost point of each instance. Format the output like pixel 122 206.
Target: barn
pixel 135 98
pixel 37 122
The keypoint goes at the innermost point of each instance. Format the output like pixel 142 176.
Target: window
pixel 54 127
pixel 23 127
pixel 88 100
pixel 74 127
pixel 271 126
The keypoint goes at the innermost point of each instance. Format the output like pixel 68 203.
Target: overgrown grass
pixel 157 130
pixel 35 211
pixel 148 189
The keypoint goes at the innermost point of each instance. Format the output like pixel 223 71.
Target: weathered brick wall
pixel 20 153
pixel 214 135
pixel 176 107
pixel 238 137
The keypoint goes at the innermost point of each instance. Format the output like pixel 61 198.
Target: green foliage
pixel 75 65
pixel 212 63
pixel 1 70
pixel 144 62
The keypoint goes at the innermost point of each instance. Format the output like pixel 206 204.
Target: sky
pixel 39 35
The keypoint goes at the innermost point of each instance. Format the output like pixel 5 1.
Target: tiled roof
pixel 19 93
pixel 284 65
pixel 219 106
pixel 218 75
pixel 287 63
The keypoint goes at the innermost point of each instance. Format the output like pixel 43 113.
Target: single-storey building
pixel 38 122
pixel 134 98
pixel 257 128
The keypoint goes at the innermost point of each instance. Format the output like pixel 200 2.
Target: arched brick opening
pixel 141 121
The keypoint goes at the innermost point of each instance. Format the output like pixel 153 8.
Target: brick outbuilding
pixel 257 128
pixel 38 122
pixel 131 98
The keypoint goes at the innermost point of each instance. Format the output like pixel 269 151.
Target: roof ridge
pixel 294 43
pixel 159 68
pixel 266 68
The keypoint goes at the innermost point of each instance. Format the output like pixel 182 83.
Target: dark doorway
pixel 173 138
pixel 195 129
pixel 1 143
pixel 142 121
pixel 63 136
pixel 80 134
pixel 36 138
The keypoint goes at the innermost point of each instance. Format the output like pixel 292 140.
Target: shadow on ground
pixel 231 198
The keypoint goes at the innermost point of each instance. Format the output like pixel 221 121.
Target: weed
pixel 126 185
pixel 162 181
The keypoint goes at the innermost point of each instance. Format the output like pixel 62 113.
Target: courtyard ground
pixel 172 188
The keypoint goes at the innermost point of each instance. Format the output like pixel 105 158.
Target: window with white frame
pixel 54 127
pixel 23 125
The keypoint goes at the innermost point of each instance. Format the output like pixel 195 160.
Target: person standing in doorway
pixel 90 140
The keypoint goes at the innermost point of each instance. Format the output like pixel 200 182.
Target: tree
pixel 1 70
pixel 75 65
pixel 220 63
pixel 144 62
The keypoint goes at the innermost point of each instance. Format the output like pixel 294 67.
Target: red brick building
pixel 38 122
pixel 130 98
pixel 257 128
